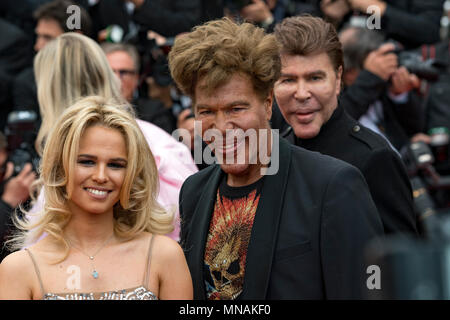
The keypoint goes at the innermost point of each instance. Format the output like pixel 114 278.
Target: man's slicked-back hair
pixel 220 48
pixel 305 35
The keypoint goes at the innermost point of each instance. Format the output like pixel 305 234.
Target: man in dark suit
pixel 51 21
pixel 307 94
pixel 290 226
pixel 14 57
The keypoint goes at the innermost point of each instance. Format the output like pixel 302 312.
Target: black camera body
pixel 428 69
pixel 411 267
pixel 153 59
pixel 431 188
pixel 21 134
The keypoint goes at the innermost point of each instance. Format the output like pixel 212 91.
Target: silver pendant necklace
pixel 94 272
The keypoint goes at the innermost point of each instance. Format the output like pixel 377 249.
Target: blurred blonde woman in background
pixel 101 216
pixel 74 66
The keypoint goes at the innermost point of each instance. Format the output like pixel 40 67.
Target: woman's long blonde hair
pixel 137 210
pixel 68 68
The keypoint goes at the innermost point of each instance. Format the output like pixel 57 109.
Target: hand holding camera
pixel 402 81
pixel 382 62
pixel 17 189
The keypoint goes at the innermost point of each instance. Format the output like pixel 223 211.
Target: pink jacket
pixel 175 164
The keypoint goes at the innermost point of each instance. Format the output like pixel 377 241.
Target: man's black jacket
pixel 343 138
pixel 313 222
pixel 412 22
pixel 5 226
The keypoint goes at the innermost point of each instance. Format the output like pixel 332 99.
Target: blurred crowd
pixel 395 80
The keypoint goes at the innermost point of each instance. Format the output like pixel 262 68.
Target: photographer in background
pixel 13 191
pixel 378 92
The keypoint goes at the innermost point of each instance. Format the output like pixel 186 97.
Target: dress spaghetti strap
pixel 37 271
pixel 147 269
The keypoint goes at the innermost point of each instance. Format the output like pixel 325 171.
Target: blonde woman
pixel 101 216
pixel 74 66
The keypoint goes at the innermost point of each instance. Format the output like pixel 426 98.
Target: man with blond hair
pixel 294 227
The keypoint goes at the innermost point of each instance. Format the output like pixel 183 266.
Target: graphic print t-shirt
pixel 228 239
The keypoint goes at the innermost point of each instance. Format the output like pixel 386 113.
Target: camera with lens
pixel 440 147
pixel 153 58
pixel 428 69
pixel 21 134
pixel 411 267
pixel 155 65
pixel 431 188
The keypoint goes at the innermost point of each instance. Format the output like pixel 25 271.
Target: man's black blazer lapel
pixel 201 220
pixel 264 236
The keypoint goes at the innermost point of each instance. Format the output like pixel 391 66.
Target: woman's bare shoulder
pixel 18 259
pixel 166 248
pixel 16 276
pixel 22 259
pixel 172 270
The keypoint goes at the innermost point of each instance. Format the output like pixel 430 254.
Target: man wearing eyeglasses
pixel 124 60
pixel 173 159
pixel 125 64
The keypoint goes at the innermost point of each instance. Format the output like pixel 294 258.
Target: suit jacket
pixel 412 22
pixel 5 226
pixel 15 48
pixel 314 218
pixel 5 99
pixel 438 97
pixel 15 55
pixel 24 92
pixel 343 138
